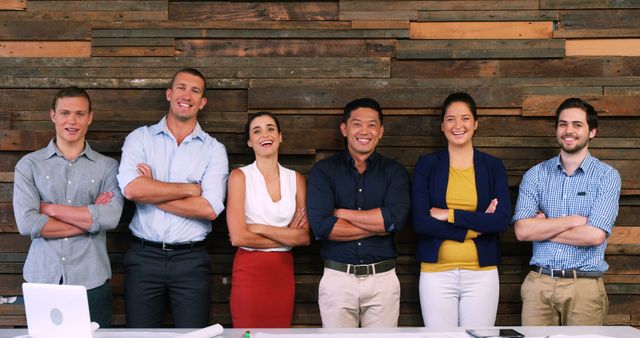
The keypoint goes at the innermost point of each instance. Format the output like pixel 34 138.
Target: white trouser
pixel 464 298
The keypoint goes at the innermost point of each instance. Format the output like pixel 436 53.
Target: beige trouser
pixel 346 300
pixel 563 301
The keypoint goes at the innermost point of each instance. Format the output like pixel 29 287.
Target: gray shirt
pixel 46 176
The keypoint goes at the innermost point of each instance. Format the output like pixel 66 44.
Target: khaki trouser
pixel 563 301
pixel 346 300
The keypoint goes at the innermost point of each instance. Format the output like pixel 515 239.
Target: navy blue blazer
pixel 429 189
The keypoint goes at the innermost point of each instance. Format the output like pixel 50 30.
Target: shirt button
pixel 359 209
pixel 69 164
pixel 68 182
pixel 64 259
pixel 359 244
pixel 66 239
pixel 92 181
pixel 359 190
pixel 68 201
pixel 47 177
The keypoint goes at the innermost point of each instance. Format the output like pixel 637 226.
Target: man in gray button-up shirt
pixel 65 197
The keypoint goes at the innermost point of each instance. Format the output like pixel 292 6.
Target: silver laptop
pixel 56 311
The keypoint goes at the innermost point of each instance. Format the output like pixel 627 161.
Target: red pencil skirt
pixel 262 289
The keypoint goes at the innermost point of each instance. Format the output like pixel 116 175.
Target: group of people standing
pixel 67 195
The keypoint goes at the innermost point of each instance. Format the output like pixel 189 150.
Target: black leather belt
pixel 566 273
pixel 361 270
pixel 168 246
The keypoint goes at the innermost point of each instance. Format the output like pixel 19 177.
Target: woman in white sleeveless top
pixel 266 217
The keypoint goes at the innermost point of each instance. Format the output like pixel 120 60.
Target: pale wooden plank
pixel 481 30
pixel 45 48
pixel 603 47
pixel 13 5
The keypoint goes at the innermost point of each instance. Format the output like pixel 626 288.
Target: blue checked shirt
pixel 592 191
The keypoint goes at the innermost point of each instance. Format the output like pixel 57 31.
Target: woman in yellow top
pixel 460 203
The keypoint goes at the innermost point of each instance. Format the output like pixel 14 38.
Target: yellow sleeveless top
pixel 461 195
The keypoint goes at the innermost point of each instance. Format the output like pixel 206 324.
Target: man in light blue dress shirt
pixel 65 197
pixel 177 176
pixel 567 207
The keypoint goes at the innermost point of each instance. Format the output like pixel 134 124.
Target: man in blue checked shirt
pixel 567 207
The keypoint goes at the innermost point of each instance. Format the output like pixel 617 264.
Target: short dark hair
pixel 364 102
pixel 253 117
pixel 71 91
pixel 193 72
pixel 459 97
pixel 574 102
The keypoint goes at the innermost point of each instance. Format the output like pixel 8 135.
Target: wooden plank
pixel 329 97
pixel 53 30
pixel 372 24
pixel 394 15
pixel 606 105
pixel 253 33
pixel 479 49
pixel 129 83
pixel 133 42
pixel 284 47
pixel 602 47
pixel 113 5
pixel 225 24
pixel 481 30
pixel 84 16
pixel 132 51
pixel 13 5
pixel 523 68
pixel 606 19
pixel 487 15
pixel 588 4
pixel 622 90
pixel 45 48
pixel 596 33
pixel 355 5
pixel 219 10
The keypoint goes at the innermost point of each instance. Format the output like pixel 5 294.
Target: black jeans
pixel 100 300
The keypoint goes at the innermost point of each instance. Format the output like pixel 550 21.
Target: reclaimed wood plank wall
pixel 304 61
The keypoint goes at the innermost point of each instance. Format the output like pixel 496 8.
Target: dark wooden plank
pixel 354 5
pixel 474 49
pixel 606 105
pixel 253 33
pixel 606 19
pixel 53 30
pixel 84 16
pixel 588 4
pixel 219 10
pixel 121 99
pixel 117 5
pixel 281 47
pixel 487 15
pixel 133 42
pixel 132 51
pixel 393 15
pixel 327 97
pixel 128 83
pixel 563 33
pixel 224 24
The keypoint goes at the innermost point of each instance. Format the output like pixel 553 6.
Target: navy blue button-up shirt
pixel 335 183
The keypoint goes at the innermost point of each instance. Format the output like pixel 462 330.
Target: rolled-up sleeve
pixel 132 155
pixel 214 179
pixel 528 203
pixel 397 204
pixel 320 202
pixel 26 201
pixel 605 209
pixel 106 216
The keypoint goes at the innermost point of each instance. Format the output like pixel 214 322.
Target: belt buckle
pixel 165 248
pixel 358 268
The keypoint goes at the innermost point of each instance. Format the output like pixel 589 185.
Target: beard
pixel 577 147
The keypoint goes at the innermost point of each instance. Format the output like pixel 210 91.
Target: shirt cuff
pixel 389 225
pixel 216 204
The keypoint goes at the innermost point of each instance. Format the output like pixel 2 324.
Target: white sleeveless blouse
pixel 259 208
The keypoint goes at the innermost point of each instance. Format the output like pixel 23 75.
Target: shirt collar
pixel 52 149
pixel 371 160
pixel 161 127
pixel 585 166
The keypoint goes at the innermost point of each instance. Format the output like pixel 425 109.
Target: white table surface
pixel 611 331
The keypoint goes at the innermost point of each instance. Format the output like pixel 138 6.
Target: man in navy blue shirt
pixel 356 200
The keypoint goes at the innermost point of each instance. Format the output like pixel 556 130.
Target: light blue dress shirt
pixel 593 191
pixel 200 159
pixel 46 176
